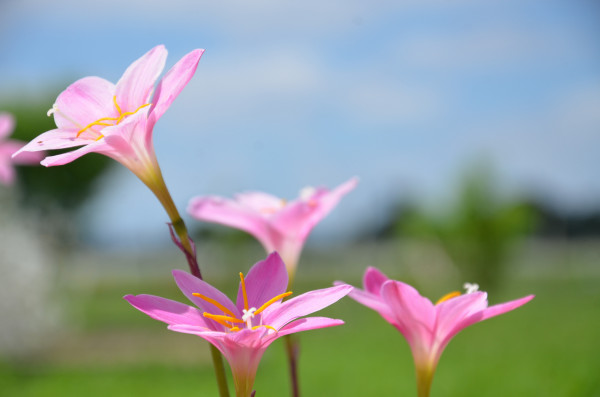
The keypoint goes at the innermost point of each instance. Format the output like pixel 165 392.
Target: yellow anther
pixel 234 329
pixel 116 104
pixel 116 120
pixel 271 301
pixel 244 291
pixel 214 302
pixel 266 326
pixel 222 318
pixel 450 295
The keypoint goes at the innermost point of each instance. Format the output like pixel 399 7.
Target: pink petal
pixel 229 213
pixel 265 280
pixel 373 280
pixel 305 324
pixel 53 139
pixel 484 314
pixel 260 202
pixel 452 312
pixel 372 301
pixel 304 304
pixel 502 308
pixel 301 216
pixel 137 83
pixel 7 124
pixel 83 102
pixel 414 314
pixel 189 284
pixel 173 83
pixel 24 157
pixel 65 158
pixel 166 310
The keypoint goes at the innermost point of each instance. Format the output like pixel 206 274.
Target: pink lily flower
pixel 242 330
pixel 277 224
pixel 117 120
pixel 8 147
pixel 427 327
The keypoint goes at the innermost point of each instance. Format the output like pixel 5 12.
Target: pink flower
pixel 116 120
pixel 8 147
pixel 427 327
pixel 242 331
pixel 279 225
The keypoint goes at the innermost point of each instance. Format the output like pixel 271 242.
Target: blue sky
pixel 403 94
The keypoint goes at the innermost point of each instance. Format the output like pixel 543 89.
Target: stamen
pixel 248 314
pixel 450 295
pixel 470 288
pixel 244 291
pixel 123 115
pixel 307 192
pixel 52 110
pixel 271 301
pixel 218 317
pixel 266 326
pixel 214 302
pixel 116 104
pixel 100 121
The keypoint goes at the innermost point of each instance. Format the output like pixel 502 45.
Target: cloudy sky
pixel 404 94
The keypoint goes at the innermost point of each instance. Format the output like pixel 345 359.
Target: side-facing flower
pixel 242 331
pixel 427 327
pixel 117 120
pixel 277 224
pixel 8 147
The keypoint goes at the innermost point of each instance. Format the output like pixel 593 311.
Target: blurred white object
pixel 28 308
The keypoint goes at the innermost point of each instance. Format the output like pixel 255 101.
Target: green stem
pixel 217 359
pixel 159 188
pixel 424 379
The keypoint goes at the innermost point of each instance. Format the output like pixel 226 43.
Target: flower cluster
pixel 117 120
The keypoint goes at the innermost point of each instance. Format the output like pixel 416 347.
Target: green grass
pixel 549 347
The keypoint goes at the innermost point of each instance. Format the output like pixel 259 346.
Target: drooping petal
pixel 83 102
pixel 11 147
pixel 188 284
pixel 137 83
pixel 265 280
pixel 7 124
pixel 65 158
pixel 173 82
pixel 53 139
pixel 166 310
pixel 304 304
pixel 229 213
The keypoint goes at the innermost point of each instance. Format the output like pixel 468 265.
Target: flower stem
pixel 292 347
pixel 159 188
pixel 217 359
pixel 424 379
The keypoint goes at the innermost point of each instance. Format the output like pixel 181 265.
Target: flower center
pixel 229 320
pixel 103 122
pixel 469 287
